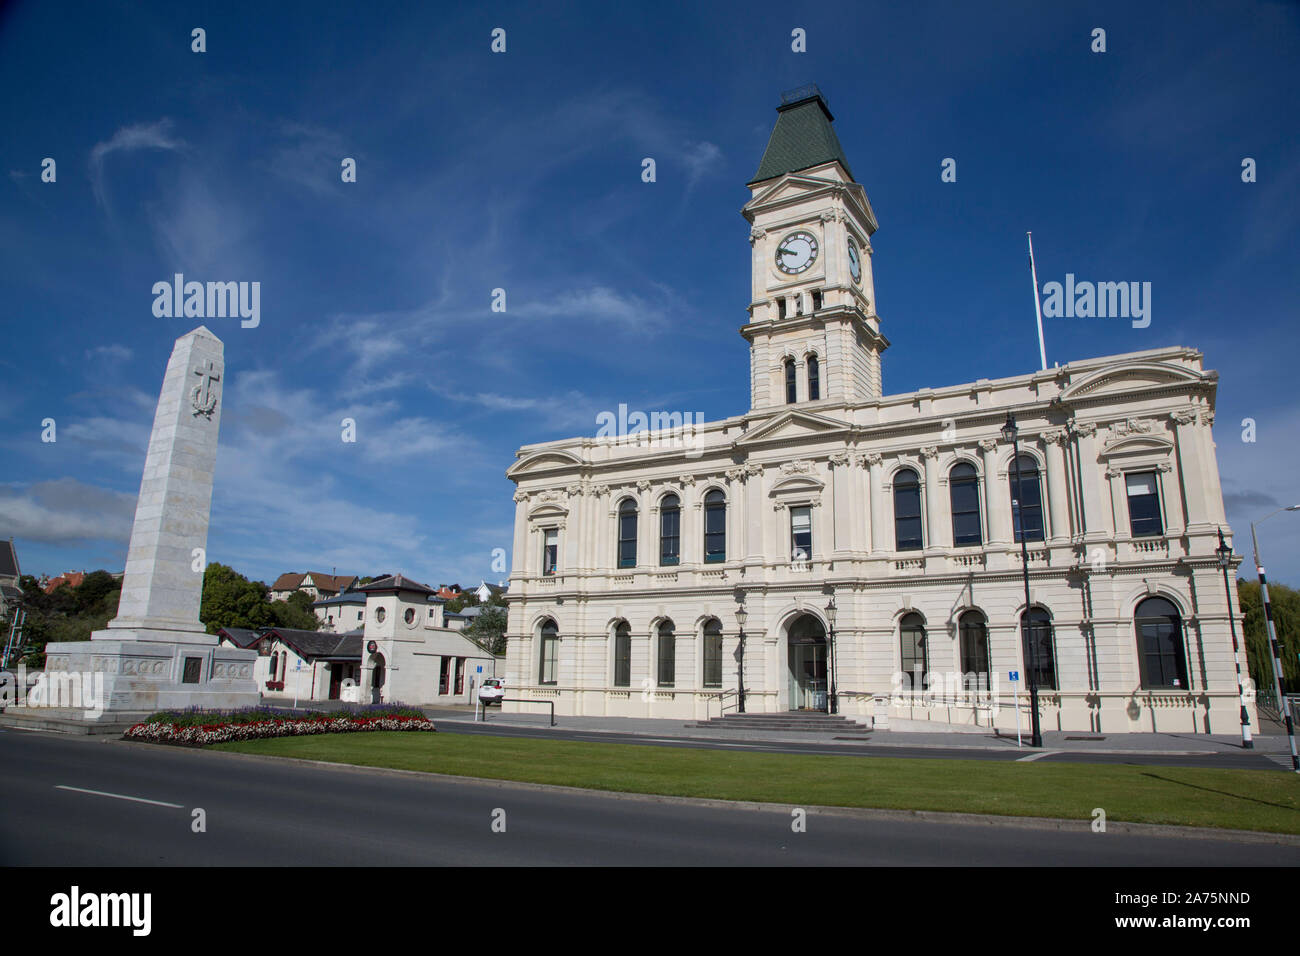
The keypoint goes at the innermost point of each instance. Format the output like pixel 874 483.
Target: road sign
pixel 1015 676
pixel 480 668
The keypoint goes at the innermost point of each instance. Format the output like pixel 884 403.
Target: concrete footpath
pixel 963 739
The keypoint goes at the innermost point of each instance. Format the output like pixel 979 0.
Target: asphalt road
pixel 266 812
pixel 1226 760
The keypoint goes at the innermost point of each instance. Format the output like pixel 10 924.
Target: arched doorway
pixel 377 675
pixel 806 657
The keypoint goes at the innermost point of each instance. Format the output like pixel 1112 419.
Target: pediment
pixel 1136 375
pixel 792 426
pixel 542 461
pixel 1137 445
pixel 547 509
pixel 791 186
pixel 795 485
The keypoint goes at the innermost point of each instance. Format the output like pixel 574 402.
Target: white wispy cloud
pixel 157 135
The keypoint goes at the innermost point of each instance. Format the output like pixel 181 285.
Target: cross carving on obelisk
pixel 204 395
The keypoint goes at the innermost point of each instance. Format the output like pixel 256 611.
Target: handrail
pixel 721 696
pixel 525 700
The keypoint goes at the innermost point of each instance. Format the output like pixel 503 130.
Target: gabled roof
pixel 346 597
pixel 802 138
pixel 240 636
pixel 288 582
pixel 72 579
pixel 319 645
pixel 395 582
pixel 9 559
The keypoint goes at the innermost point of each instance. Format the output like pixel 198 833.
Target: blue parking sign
pixel 1015 676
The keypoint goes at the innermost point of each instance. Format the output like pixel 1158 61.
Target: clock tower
pixel 813 331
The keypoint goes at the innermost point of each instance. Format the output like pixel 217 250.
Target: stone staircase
pixel 795 721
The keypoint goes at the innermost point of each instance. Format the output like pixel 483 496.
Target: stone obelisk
pixel 155 654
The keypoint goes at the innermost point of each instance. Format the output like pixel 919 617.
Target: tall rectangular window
pixel 550 653
pixel 1143 505
pixel 670 530
pixel 814 379
pixel 667 654
pixel 713 654
pixel 460 675
pixel 550 550
pixel 627 534
pixel 444 678
pixel 715 527
pixel 623 655
pixel 801 533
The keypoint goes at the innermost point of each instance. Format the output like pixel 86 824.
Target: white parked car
pixel 491 691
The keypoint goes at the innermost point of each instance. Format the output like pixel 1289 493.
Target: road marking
pixel 120 796
pixel 1038 756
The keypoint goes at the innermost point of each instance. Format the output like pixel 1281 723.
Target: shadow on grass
pixel 1222 793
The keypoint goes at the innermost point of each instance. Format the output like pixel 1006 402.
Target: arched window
pixel 964 490
pixel 667 654
pixel 1027 506
pixel 907 511
pixel 915 654
pixel 623 655
pixel 670 530
pixel 1036 641
pixel 715 527
pixel 791 391
pixel 275 666
pixel 550 652
pixel 1161 656
pixel 974 635
pixel 627 534
pixel 814 379
pixel 713 653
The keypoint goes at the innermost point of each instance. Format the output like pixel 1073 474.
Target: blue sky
pixel 522 171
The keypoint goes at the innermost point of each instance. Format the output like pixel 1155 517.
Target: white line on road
pixel 120 796
pixel 1038 756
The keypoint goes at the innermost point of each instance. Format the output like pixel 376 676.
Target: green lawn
pixel 1238 799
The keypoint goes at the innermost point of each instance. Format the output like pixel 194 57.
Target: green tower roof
pixel 803 136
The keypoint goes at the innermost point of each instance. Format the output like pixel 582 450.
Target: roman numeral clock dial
pixel 796 253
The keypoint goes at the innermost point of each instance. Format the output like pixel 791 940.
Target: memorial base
pixel 148 676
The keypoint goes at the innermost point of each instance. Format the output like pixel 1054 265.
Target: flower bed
pixel 222 729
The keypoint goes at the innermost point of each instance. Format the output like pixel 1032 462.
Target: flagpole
pixel 1038 311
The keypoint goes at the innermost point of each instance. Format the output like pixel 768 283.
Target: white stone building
pixel 631 558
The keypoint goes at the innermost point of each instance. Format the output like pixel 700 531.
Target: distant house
pixel 485 591
pixel 448 592
pixel 308 665
pixel 314 584
pixel 343 612
pixel 72 579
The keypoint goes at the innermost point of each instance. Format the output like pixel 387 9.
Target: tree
pixel 1286 619
pixel 489 629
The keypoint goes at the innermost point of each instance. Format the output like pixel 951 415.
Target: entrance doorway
pixel 377 680
pixel 807 664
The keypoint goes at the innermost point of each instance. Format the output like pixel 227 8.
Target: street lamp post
pixel 832 702
pixel 1224 554
pixel 1283 705
pixel 741 616
pixel 1011 433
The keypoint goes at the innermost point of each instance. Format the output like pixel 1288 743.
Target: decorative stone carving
pixel 573 491
pixel 1207 417
pixel 873 458
pixel 798 467
pixel 1133 426
pixel 203 397
pixel 1056 436
pixel 989 444
pixel 736 474
pixel 1184 416
pixel 839 459
pixel 686 480
pixel 521 497
pixel 929 451
pixel 1082 428
pixel 601 490
pixel 828 215
pixel 643 484
pixel 756 233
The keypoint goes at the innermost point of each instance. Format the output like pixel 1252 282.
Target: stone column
pixel 1192 469
pixel 1097 522
pixel 1057 485
pixel 997 504
pixel 841 503
pixel 938 520
pixel 876 490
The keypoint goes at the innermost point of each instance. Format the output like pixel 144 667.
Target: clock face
pixel 855 264
pixel 796 253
